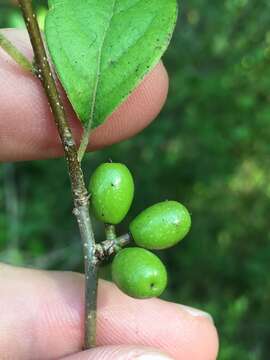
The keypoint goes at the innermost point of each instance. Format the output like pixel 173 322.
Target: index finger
pixel 43 311
pixel 27 129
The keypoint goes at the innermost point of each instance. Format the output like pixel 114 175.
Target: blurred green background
pixel 209 149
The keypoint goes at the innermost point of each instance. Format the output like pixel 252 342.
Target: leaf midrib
pixel 95 90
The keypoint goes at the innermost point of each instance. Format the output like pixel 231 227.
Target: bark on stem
pixel 80 194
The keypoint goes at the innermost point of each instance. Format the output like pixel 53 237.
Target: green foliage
pixel 103 49
pixel 139 273
pixel 111 189
pixel 209 149
pixel 161 226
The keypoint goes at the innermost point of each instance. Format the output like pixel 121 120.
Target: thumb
pixel 120 353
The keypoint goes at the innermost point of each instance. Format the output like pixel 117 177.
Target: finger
pixel 26 125
pixel 43 313
pixel 120 353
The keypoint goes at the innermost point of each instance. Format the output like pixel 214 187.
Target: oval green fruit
pixel 161 226
pixel 139 273
pixel 112 189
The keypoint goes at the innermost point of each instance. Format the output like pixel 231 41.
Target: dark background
pixel 209 149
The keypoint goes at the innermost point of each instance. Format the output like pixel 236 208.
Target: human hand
pixel 41 311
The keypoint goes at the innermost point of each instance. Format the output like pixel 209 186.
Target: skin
pixel 41 311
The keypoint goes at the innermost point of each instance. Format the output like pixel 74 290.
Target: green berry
pixel 161 226
pixel 139 273
pixel 112 189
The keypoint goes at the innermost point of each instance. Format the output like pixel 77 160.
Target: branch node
pixel 107 248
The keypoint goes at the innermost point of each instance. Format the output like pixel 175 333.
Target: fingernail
pixel 197 313
pixel 153 356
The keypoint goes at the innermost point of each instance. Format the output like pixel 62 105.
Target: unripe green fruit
pixel 161 226
pixel 112 189
pixel 139 273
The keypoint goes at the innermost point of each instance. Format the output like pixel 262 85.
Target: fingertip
pixel 203 337
pixel 27 127
pixel 47 308
pixel 180 331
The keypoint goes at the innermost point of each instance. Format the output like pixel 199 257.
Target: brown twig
pixel 80 194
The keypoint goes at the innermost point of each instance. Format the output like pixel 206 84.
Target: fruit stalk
pixel 80 193
pixel 110 232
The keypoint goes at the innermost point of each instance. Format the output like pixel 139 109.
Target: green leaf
pixel 102 49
